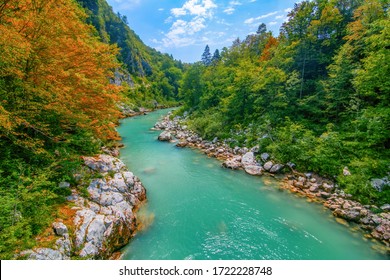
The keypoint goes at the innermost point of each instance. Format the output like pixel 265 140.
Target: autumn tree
pixel 56 103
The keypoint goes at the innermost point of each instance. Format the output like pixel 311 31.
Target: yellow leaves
pixel 14 49
pixel 63 70
pixel 370 11
pixel 5 121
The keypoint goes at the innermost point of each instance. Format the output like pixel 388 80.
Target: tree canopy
pixel 316 95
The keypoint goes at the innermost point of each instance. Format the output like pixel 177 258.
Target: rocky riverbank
pixel 374 220
pixel 99 217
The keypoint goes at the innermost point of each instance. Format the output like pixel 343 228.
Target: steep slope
pixel 154 76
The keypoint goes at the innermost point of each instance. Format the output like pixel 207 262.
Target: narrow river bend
pixel 198 210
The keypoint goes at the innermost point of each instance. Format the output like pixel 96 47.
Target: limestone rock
pixel 255 149
pixel 386 207
pixel 64 245
pixel 327 187
pixel 264 157
pixel 255 170
pixel 182 144
pixel 89 250
pixel 248 159
pixel 96 230
pixel 380 184
pixel 232 164
pixel 104 163
pixel 165 136
pixel 44 254
pixel 60 229
pixel 64 185
pixel 268 165
pixel 276 168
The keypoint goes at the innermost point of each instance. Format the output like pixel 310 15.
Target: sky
pixel 184 27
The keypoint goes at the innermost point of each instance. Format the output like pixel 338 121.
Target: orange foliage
pixel 63 68
pixel 268 49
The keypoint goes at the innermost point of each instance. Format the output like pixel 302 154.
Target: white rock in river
pixel 165 136
pixel 231 164
pixel 255 170
pixel 248 159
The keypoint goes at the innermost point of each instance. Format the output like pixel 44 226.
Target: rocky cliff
pixel 102 219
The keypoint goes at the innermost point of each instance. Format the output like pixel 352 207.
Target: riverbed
pixel 198 210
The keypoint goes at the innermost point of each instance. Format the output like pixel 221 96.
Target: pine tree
pixel 206 56
pixel 216 56
pixel 262 29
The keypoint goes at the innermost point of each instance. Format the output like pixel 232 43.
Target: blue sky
pixel 184 27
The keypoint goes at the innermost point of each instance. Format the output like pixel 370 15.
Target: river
pixel 198 210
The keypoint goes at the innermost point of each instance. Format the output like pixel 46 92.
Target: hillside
pixel 150 74
pixel 316 96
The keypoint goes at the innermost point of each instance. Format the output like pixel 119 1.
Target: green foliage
pixel 209 125
pixel 149 74
pixel 317 95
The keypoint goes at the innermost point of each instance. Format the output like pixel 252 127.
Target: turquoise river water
pixel 198 210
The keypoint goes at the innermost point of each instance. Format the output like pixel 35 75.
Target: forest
pixel 316 96
pixel 62 76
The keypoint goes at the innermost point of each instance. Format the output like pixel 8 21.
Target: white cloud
pixel 279 17
pixel 273 23
pixel 201 8
pixel 287 10
pixel 161 9
pixel 183 31
pixel 235 3
pixel 169 20
pixel 252 1
pixel 253 20
pixel 177 12
pixel 229 10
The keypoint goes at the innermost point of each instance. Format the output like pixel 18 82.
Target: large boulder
pixel 60 229
pixel 233 163
pixel 255 149
pixel 165 136
pixel 104 163
pixel 108 221
pixel 248 159
pixel 255 170
pixel 268 165
pixel 380 184
pixel 276 168
pixel 265 157
pixel 182 143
